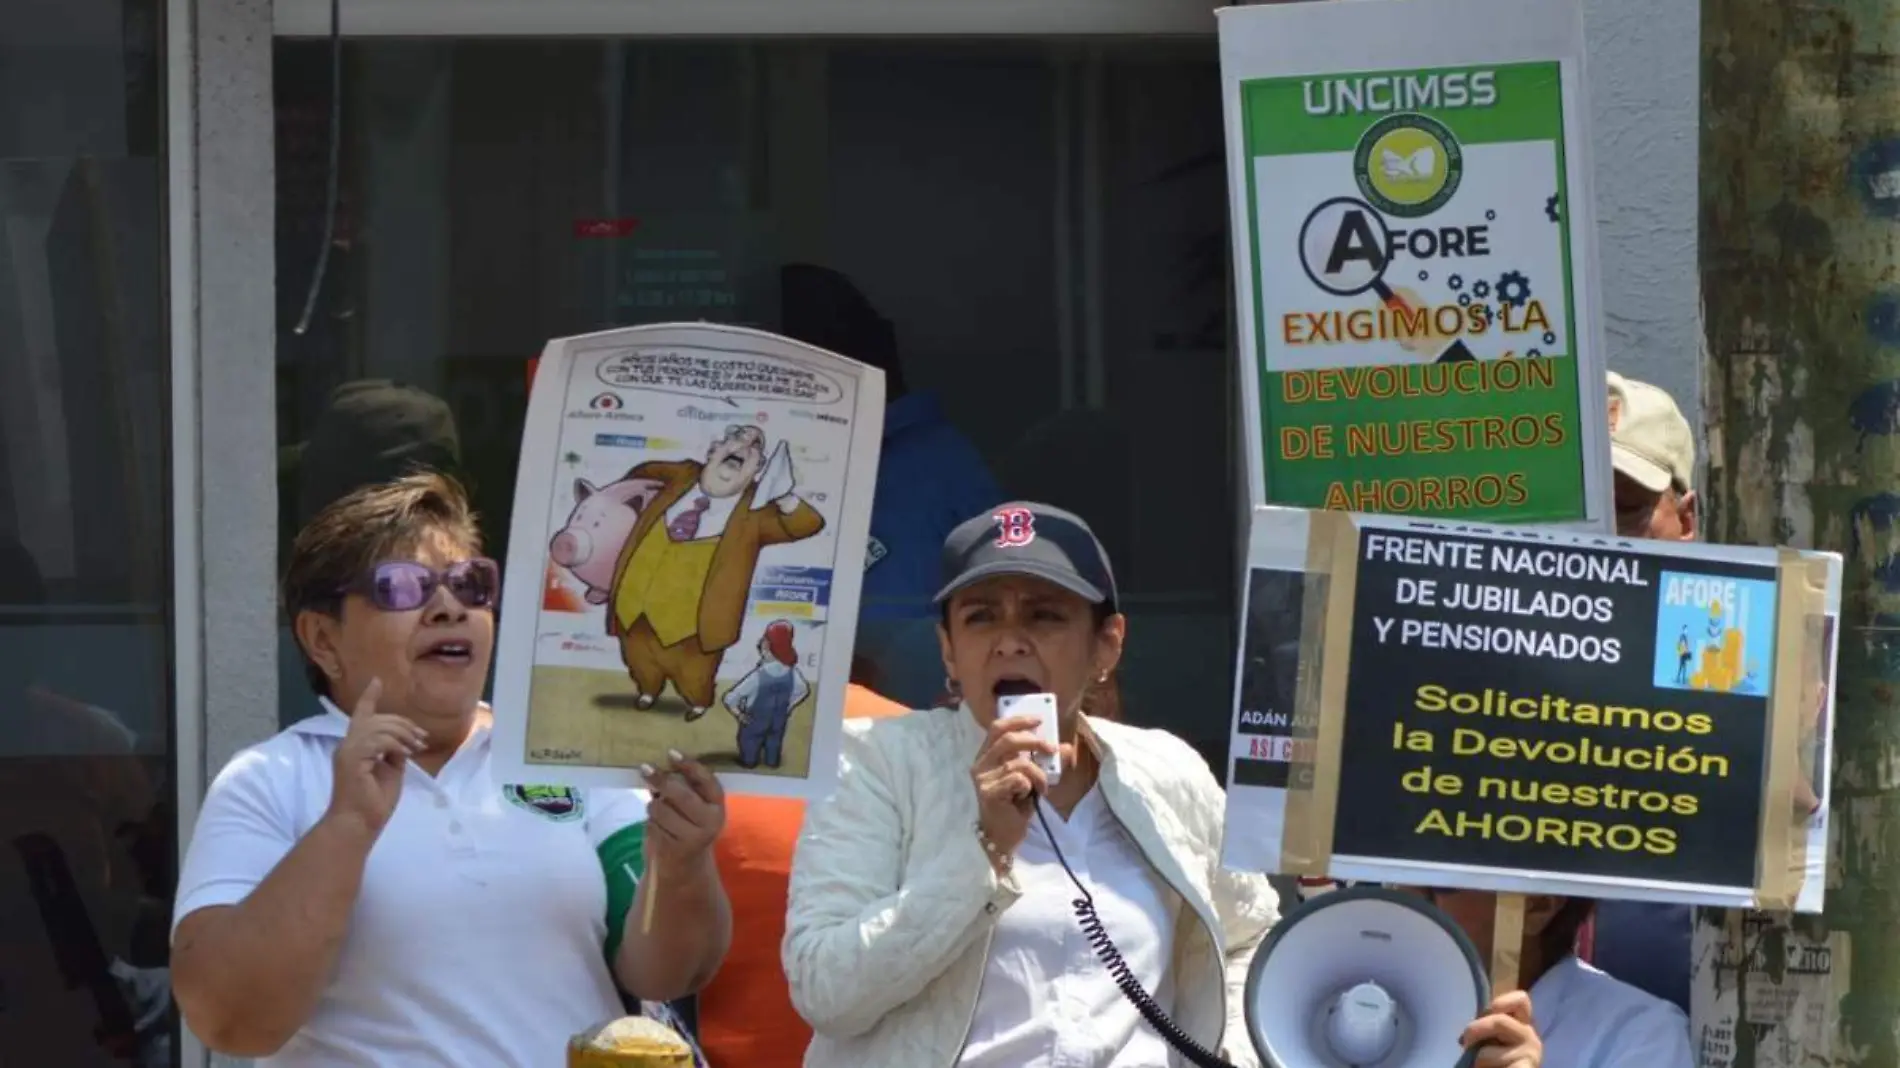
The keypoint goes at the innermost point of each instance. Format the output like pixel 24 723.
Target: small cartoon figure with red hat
pixel 763 700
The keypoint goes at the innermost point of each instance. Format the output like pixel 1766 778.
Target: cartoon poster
pixel 1414 257
pixel 687 548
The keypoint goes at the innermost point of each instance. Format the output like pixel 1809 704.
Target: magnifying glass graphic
pixel 1344 247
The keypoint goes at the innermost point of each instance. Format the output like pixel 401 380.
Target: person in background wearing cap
pixel 931 918
pixel 372 431
pixel 1652 454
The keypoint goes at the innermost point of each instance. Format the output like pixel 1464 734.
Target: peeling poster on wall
pixel 1779 1001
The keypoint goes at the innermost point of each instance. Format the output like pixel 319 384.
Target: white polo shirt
pixel 479 933
pixel 1588 1019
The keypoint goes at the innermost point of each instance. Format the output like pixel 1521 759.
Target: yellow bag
pixel 629 1042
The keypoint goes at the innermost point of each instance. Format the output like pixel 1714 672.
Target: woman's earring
pixel 951 687
pixel 1102 678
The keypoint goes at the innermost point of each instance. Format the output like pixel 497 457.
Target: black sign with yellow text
pixel 1572 709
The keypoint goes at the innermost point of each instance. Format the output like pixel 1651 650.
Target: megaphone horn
pixel 1364 977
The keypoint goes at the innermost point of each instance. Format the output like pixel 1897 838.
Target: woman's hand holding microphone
pixel 1007 784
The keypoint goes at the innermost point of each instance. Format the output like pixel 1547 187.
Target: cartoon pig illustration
pixel 589 542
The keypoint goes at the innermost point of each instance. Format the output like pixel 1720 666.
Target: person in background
pixel 929 479
pixel 745 1015
pixel 373 430
pixel 931 917
pixel 1652 455
pixel 1567 1014
pixel 361 889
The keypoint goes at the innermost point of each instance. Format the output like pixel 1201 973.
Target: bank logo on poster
pixel 1408 165
pixel 1715 633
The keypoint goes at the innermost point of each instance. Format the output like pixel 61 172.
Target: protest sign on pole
pixel 685 558
pixel 1533 711
pixel 1415 259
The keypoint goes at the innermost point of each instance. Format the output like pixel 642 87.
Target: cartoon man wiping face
pixel 680 586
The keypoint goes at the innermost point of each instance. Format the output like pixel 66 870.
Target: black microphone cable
pixel 1118 968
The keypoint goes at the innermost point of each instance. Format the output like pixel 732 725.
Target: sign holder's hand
pixel 1506 1035
pixel 687 808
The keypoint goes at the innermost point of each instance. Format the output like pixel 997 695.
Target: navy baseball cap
pixel 1026 538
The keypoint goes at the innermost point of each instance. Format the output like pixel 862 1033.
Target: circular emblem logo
pixel 1408 165
pixel 557 803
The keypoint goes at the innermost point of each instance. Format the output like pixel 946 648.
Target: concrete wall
pixel 223 334
pixel 1644 64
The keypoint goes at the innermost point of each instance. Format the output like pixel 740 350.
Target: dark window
pixel 1042 222
pixel 87 827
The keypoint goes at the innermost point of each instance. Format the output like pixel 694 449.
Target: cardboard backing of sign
pixel 1750 816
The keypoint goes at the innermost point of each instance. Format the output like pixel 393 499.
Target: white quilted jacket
pixel 893 903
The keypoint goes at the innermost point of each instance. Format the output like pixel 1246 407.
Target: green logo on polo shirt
pixel 558 803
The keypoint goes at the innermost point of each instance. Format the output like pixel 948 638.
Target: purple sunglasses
pixel 404 586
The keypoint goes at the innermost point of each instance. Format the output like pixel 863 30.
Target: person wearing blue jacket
pixel 930 477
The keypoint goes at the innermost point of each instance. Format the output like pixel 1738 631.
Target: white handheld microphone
pixel 1042 706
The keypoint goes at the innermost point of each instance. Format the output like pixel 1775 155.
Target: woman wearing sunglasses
pixel 361 890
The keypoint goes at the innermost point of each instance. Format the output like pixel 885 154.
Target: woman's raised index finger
pixel 366 704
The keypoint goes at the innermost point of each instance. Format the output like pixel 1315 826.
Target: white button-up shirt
pixel 1047 999
pixel 1589 1020
pixel 478 935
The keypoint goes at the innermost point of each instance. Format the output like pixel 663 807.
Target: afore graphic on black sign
pixel 1556 708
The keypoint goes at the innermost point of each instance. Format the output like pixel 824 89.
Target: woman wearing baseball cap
pixel 932 914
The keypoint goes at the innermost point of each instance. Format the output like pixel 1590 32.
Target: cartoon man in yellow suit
pixel 678 597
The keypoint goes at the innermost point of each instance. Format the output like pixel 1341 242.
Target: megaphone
pixel 1364 977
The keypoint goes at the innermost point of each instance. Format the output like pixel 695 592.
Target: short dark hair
pixel 361 529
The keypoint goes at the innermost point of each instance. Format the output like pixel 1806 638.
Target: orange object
pixel 745 1014
pixel 557 596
